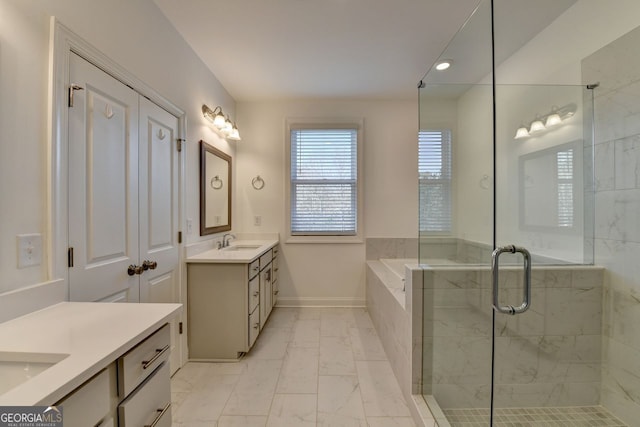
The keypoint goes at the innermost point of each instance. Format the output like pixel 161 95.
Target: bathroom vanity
pixel 105 364
pixel 231 292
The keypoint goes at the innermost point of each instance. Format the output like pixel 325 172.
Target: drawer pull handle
pixel 159 352
pixel 159 416
pixel 256 293
pixel 256 326
pixel 275 292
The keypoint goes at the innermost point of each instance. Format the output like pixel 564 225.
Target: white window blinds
pixel 434 167
pixel 564 162
pixel 324 174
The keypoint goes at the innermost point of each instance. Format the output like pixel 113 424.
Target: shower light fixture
pixel 542 123
pixel 221 122
pixel 443 65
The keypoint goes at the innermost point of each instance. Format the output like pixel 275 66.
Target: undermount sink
pixel 241 248
pixel 17 367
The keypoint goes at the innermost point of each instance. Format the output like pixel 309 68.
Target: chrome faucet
pixel 226 238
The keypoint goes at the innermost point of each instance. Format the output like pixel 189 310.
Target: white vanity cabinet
pixel 228 304
pixel 133 391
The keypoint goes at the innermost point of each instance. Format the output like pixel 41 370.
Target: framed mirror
pixel 549 183
pixel 215 190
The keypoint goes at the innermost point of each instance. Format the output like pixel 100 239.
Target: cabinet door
pixel 265 294
pixel 263 299
pixel 92 402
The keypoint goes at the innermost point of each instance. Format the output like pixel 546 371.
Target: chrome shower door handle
pixel 526 297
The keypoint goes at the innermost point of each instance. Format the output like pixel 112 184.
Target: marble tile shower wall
pixel 617 232
pixel 548 356
pixel 387 247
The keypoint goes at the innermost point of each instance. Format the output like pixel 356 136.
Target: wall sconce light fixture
pixel 221 122
pixel 542 123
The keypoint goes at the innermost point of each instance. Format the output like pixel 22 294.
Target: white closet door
pixel 159 201
pixel 103 186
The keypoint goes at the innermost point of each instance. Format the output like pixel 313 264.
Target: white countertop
pixel 92 334
pixel 225 256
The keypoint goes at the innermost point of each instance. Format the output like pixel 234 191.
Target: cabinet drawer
pixel 265 259
pixel 254 268
pixel 139 362
pixel 254 293
pixel 276 251
pixel 91 402
pixel 254 326
pixel 151 402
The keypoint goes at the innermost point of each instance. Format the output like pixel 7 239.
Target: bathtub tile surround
pixel 617 240
pixel 381 247
pixel 309 366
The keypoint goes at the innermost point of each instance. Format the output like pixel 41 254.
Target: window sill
pixel 324 240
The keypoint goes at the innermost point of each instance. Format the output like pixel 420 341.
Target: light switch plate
pixel 29 250
pixel 257 220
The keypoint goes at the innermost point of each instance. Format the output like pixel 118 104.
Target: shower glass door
pixel 505 166
pixel 546 354
pixel 547 321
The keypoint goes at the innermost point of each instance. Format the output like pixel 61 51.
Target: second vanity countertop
pixel 239 252
pixel 87 335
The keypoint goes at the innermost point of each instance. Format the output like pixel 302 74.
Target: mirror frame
pixel 204 149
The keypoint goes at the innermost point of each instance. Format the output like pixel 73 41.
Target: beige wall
pixel 330 273
pixel 135 35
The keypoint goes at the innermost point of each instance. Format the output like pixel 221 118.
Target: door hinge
pixel 179 236
pixel 179 142
pixel 73 87
pixel 70 257
pixel 180 328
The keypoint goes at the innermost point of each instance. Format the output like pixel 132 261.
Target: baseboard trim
pixel 320 302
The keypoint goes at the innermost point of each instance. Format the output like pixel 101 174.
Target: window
pixel 324 193
pixel 564 163
pixel 434 168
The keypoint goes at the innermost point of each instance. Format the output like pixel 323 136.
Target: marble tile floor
pixel 575 416
pixel 309 367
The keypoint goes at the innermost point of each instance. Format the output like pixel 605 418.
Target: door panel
pixel 103 185
pixel 159 202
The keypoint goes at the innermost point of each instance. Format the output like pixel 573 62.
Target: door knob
pixel 135 269
pixel 149 265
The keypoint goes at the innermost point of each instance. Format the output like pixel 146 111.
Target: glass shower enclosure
pixel 512 303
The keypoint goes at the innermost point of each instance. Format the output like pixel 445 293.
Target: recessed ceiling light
pixel 443 65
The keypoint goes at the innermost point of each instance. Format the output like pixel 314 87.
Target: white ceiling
pixel 277 49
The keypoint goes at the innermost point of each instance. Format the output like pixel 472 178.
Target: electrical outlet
pixel 189 226
pixel 257 220
pixel 29 250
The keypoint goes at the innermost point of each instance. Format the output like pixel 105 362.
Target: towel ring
pixel 216 182
pixel 257 183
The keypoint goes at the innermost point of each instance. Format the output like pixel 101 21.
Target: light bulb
pixel 219 120
pixel 536 126
pixel 522 132
pixel 553 120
